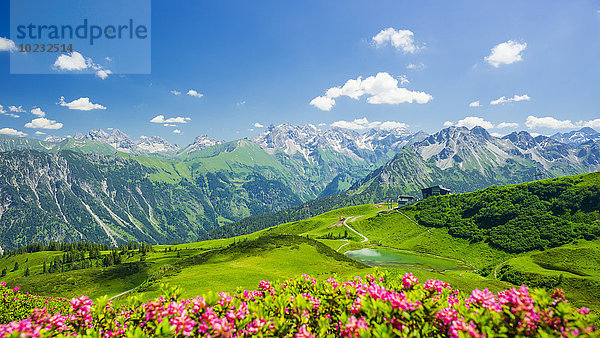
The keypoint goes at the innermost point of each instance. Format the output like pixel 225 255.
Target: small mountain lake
pixel 396 258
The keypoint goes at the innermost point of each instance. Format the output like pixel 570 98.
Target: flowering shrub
pixel 306 307
pixel 15 305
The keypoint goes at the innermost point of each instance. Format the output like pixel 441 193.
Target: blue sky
pixel 265 61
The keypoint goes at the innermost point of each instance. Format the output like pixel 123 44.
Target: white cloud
pixel 401 39
pixel 403 79
pixel 241 103
pixel 12 132
pixel 415 66
pixel 108 59
pixel 474 104
pixel 3 112
pixel 43 123
pixel 40 133
pixel 38 112
pixel 523 97
pixel 499 100
pixel 592 123
pixel 382 88
pixel 251 129
pixel 175 92
pixel 472 121
pixel 74 61
pixel 170 120
pixel 169 125
pixel 507 125
pixel 16 109
pixel 176 131
pixel 515 98
pixel 103 73
pixel 506 53
pixel 553 123
pixel 322 124
pixel 7 45
pixel 548 122
pixel 194 93
pixel 158 119
pixel 388 125
pixel 323 102
pixel 82 103
pixel 363 123
pixel 498 135
pixel 258 125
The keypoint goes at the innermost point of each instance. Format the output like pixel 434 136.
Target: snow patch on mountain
pixel 307 140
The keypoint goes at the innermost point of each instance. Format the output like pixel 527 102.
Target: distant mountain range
pixel 109 188
pixel 580 136
pixel 471 159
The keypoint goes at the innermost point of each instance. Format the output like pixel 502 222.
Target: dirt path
pixel 410 219
pixel 121 294
pixel 343 245
pixel 356 232
pixel 498 267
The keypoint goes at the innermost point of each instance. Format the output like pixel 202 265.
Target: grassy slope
pixel 240 267
pixel 575 265
pixel 225 268
pixel 238 159
pixel 93 282
pixel 397 231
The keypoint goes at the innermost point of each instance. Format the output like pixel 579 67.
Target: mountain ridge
pixel 215 183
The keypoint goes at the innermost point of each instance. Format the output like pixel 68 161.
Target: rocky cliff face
pixel 69 196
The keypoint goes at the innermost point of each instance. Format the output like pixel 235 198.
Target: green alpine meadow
pixel 299 169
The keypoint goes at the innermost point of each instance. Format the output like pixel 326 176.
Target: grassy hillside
pixel 398 241
pixel 198 268
pixel 505 233
pixel 519 218
pixel 245 263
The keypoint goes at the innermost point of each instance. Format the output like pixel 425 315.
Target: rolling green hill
pixel 526 233
pixel 519 218
pixel 452 238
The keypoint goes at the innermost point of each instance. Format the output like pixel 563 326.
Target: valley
pixel 334 244
pixel 386 245
pixel 232 214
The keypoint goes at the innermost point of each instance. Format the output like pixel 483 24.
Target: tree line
pixel 78 256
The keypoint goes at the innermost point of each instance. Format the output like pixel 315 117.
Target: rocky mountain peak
pixel 580 136
pixel 155 144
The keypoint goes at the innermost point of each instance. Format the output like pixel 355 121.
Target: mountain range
pixel 580 136
pixel 471 159
pixel 107 187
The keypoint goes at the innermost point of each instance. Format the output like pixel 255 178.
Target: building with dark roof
pixel 405 200
pixel 436 190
